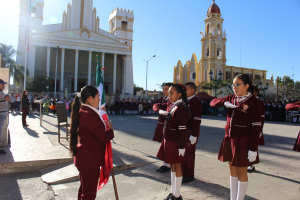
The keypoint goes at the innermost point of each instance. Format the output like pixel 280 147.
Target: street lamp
pixel 264 88
pixel 212 79
pixel 147 74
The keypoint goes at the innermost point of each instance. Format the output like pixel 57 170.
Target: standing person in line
pixel 88 140
pixel 12 103
pixel 172 148
pixel 3 109
pixel 158 134
pixel 193 133
pixel 18 102
pixel 240 144
pixel 25 107
pixel 32 103
pixel 294 107
pixel 255 92
pixel 47 105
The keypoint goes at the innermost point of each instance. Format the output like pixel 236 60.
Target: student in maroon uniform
pixel 293 107
pixel 161 121
pixel 88 140
pixel 193 132
pixel 172 148
pixel 255 92
pixel 242 131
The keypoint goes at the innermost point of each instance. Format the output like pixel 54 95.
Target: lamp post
pixel 146 95
pixel 212 79
pixel 264 88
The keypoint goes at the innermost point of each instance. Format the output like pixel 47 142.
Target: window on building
pixel 218 29
pixel 257 76
pixel 124 26
pixel 207 30
pixel 33 11
pixel 112 26
pixel 236 73
pixel 228 75
pixel 207 52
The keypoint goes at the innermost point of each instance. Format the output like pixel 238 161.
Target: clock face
pixel 219 38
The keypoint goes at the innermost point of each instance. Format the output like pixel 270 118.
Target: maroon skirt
pixel 169 152
pixel 297 144
pixel 261 140
pixel 158 132
pixel 235 150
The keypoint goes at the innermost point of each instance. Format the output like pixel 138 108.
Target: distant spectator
pixel 25 107
pixel 3 109
pixel 12 103
pixel 18 101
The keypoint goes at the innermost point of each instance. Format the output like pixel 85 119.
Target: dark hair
pixel 168 84
pixel 191 84
pixel 23 95
pixel 85 93
pixel 254 89
pixel 181 89
pixel 246 80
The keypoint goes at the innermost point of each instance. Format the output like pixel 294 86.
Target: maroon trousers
pixel 188 167
pixel 89 179
pixel 25 111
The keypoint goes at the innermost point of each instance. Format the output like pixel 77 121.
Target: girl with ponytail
pixel 89 135
pixel 242 132
pixel 172 148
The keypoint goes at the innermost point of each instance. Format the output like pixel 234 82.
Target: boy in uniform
pixel 193 132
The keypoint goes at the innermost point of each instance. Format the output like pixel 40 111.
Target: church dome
pixel 214 8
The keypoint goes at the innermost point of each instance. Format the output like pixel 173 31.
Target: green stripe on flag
pixel 99 82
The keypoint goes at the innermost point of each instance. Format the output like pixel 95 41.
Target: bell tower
pixel 213 42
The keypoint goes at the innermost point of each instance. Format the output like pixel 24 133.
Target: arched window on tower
pixel 207 52
pixel 218 29
pixel 207 29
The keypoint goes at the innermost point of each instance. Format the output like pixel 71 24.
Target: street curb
pixel 28 166
pixel 115 168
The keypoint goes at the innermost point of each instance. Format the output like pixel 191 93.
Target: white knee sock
pixel 172 182
pixel 242 190
pixel 178 181
pixel 233 187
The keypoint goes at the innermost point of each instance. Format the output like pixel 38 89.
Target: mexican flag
pixel 100 83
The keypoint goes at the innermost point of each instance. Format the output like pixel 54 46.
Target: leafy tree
pixel 161 86
pixel 7 53
pixel 219 85
pixel 39 83
pixel 136 88
pixel 17 72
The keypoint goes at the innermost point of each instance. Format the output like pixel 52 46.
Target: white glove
pixel 163 112
pixel 181 152
pixel 260 135
pixel 229 105
pixel 252 156
pixel 193 139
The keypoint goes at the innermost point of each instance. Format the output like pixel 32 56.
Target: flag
pixel 108 157
pixel 100 83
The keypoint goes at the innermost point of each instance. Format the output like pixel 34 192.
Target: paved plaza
pixel 34 152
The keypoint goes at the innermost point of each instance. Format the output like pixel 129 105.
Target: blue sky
pixel 268 32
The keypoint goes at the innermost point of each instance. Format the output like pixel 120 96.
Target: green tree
pixel 212 85
pixel 39 83
pixel 7 53
pixel 136 88
pixel 161 86
pixel 17 72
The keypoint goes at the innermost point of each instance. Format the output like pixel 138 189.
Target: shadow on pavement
pixel 280 177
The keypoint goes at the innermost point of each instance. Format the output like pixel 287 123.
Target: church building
pixel 213 57
pixel 72 46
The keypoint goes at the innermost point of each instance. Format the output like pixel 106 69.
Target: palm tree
pixel 7 53
pixel 17 72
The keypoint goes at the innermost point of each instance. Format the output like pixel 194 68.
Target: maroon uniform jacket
pixel 245 120
pixel 195 109
pixel 161 104
pixel 92 139
pixel 293 106
pixel 176 127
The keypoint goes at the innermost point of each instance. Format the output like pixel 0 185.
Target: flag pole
pixel 114 183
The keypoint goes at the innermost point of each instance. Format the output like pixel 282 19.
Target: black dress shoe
pixel 174 198
pixel 251 169
pixel 26 125
pixel 158 170
pixel 187 179
pixel 165 169
pixel 169 196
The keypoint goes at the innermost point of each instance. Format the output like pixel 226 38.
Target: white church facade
pixel 78 40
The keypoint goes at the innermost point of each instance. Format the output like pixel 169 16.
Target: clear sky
pixel 268 31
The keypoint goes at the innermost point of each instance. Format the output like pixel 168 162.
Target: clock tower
pixel 213 42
